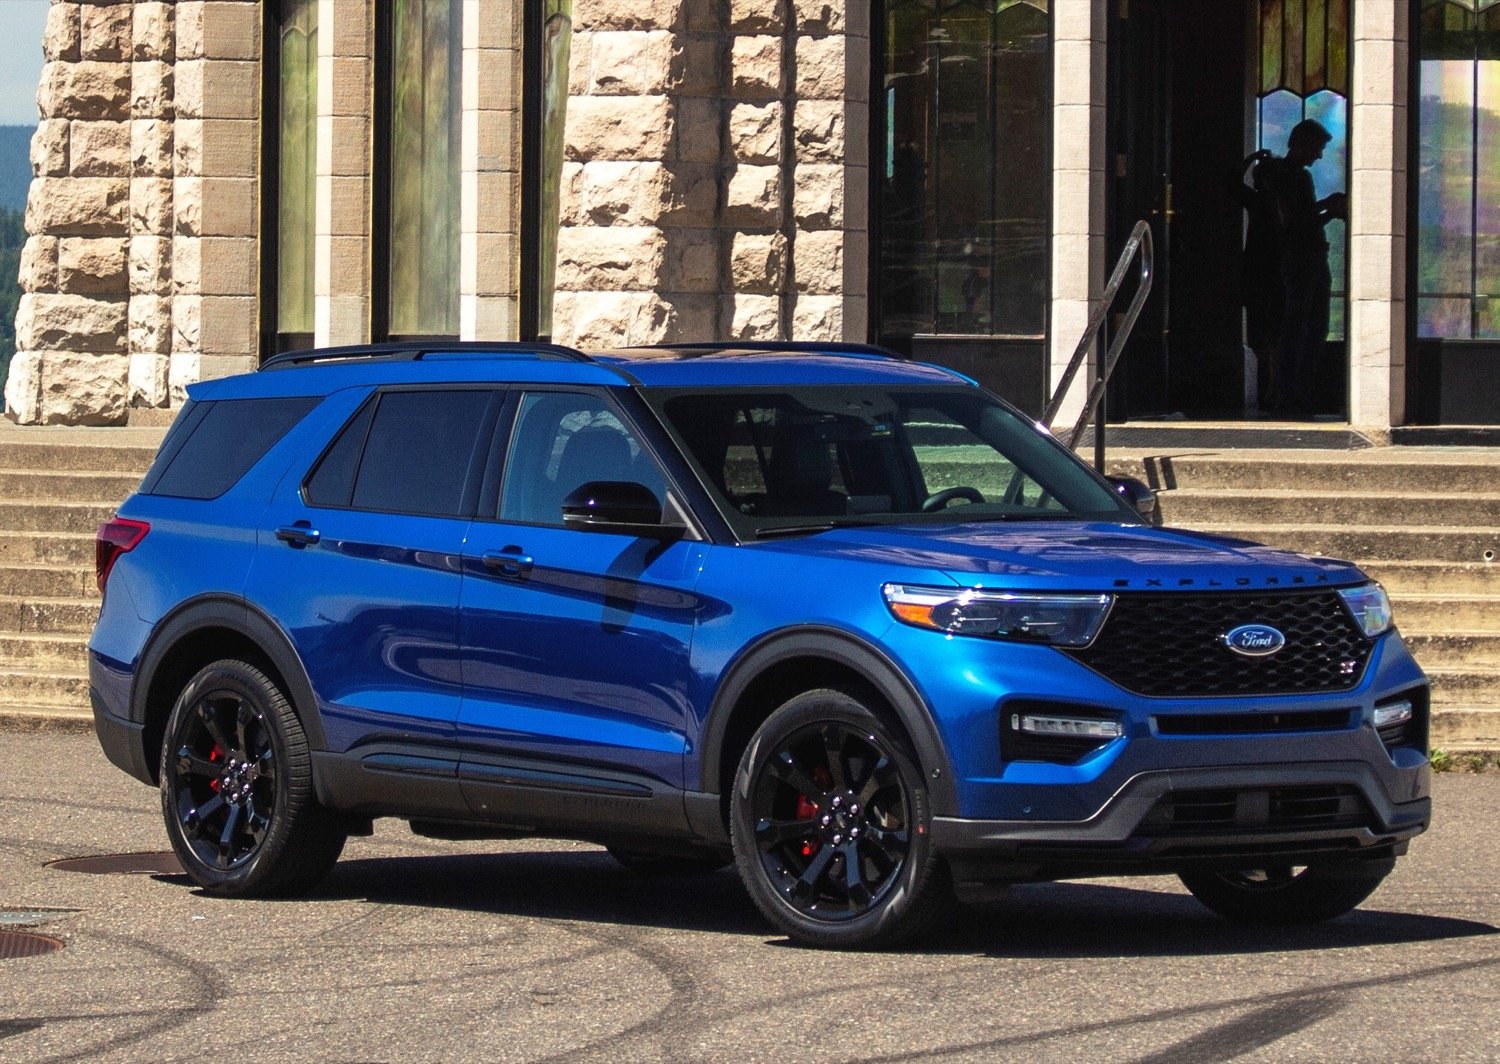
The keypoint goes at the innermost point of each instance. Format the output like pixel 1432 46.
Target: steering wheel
pixel 939 500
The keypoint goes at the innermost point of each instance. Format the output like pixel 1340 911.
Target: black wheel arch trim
pixel 238 615
pixel 875 668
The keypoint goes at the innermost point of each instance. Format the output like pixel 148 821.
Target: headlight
pixel 1061 620
pixel 1369 607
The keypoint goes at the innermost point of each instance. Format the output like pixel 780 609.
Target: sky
pixel 21 25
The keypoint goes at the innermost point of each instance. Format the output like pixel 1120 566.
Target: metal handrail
pixel 1140 244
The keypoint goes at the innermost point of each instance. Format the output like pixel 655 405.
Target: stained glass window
pixel 427 55
pixel 297 161
pixel 1458 170
pixel 966 195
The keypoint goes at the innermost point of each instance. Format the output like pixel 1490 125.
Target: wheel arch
pixel 207 629
pixel 789 662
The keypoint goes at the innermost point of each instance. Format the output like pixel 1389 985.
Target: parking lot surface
pixel 421 950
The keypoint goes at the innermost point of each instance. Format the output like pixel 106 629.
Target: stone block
pixel 38 272
pixel 755 16
pixel 343 148
pixel 231 148
pixel 183 368
pixel 630 14
pixel 752 197
pixel 617 258
pixel 692 262
pixel 231 30
pixel 147 379
pixel 345 90
pixel 495 260
pixel 186 210
pixel 92 266
pixel 187 26
pixel 154 89
pixel 580 63
pixel 88 90
pixel 490 318
pixel 619 127
pixel 353 27
pixel 151 205
pixel 697 66
pixel 187 147
pixel 151 328
pixel 230 325
pixel 99 149
pixel 821 68
pixel 187 327
pixel 61 37
pixel 105 32
pixel 818 196
pixel 620 193
pixel 755 132
pixel 50 321
pixel 694 196
pixel 755 66
pixel 818 263
pixel 630 63
pixel 23 386
pixel 822 16
pixel 150 266
pixel 231 89
pixel 699 132
pixel 819 129
pixel 152 36
pixel 79 206
pixel 84 388
pixel 818 318
pixel 757 262
pixel 151 147
pixel 49 148
pixel 231 206
pixel 753 317
pixel 611 319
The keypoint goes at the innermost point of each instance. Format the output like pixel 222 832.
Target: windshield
pixel 802 459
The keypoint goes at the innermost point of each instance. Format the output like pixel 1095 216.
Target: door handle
pixel 509 562
pixel 301 534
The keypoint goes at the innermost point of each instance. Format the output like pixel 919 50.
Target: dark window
pixel 332 484
pixel 290 150
pixel 228 437
pixel 419 451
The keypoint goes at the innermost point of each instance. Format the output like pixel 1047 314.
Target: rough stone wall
pixel 139 272
pixel 711 187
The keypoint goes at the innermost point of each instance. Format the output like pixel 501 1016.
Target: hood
pixel 1059 555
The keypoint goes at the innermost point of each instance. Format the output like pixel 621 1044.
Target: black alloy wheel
pixel 236 787
pixel 829 822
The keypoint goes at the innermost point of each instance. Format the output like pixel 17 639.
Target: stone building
pixel 220 179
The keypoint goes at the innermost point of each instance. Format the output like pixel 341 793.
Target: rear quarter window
pixel 214 444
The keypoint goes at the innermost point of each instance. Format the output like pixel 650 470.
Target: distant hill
pixel 15 165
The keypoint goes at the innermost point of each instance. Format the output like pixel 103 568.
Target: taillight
pixel 115 538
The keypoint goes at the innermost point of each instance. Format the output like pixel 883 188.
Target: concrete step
pixel 53 516
pixel 1471 728
pixel 1450 471
pixel 1435 578
pixel 1428 614
pixel 65 456
pixel 74 550
pixel 47 581
pixel 66 486
pixel 45 687
pixel 1443 544
pixel 21 614
pixel 1468 686
pixel 1455 649
pixel 1283 506
pixel 66 651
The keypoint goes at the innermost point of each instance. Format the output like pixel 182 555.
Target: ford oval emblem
pixel 1254 640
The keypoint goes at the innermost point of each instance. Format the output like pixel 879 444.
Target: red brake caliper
pixel 807 809
pixel 215 755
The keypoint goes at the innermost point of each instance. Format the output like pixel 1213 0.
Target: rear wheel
pixel 829 818
pixel 1286 895
pixel 236 787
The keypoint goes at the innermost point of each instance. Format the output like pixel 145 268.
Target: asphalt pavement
pixel 421 950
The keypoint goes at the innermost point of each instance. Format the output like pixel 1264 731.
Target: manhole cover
pixel 16 944
pixel 126 864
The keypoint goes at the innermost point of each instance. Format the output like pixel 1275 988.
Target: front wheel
pixel 236 787
pixel 829 818
pixel 1286 895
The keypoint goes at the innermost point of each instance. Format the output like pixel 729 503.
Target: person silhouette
pixel 1305 278
pixel 1260 276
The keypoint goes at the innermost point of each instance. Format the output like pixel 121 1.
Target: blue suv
pixel 845 620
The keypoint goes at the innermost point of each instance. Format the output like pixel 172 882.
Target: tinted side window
pixel 419 450
pixel 228 438
pixel 332 483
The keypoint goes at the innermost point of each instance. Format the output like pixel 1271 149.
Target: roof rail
pixel 419 350
pixel 695 350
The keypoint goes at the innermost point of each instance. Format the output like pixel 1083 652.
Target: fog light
pixel 1070 727
pixel 1395 713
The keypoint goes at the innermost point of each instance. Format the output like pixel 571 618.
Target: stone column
pixel 152 222
pixel 1078 185
pixel 71 362
pixel 341 253
pixel 489 206
pixel 1378 124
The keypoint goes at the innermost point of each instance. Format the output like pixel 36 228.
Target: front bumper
pixel 1167 821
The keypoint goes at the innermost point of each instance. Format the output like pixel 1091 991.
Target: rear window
pixel 214 444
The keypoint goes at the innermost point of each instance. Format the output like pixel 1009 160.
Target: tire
pixel 1286 896
pixel 826 786
pixel 667 865
pixel 237 790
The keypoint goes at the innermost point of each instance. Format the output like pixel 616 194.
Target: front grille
pixel 1252 723
pixel 1171 645
pixel 1305 808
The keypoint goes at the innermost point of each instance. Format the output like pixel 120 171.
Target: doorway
pixel 1195 89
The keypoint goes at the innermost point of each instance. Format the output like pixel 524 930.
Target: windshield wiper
pixel 776 531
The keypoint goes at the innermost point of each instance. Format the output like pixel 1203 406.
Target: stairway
pixel 1425 522
pixel 56 486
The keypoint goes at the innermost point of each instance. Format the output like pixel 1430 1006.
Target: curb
pixel 23 722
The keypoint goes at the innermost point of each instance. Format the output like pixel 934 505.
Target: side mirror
pixel 623 508
pixel 1141 498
